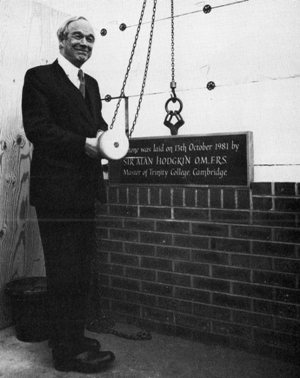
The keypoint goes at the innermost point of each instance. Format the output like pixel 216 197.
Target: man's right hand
pixel 91 147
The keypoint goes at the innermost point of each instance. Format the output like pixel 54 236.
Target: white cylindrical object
pixel 113 145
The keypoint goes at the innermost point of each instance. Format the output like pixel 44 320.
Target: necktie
pixel 82 82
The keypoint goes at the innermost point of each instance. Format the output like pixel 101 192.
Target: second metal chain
pixel 146 67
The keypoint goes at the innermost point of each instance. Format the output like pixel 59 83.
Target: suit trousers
pixel 68 239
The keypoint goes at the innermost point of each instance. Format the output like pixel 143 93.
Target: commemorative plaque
pixel 214 159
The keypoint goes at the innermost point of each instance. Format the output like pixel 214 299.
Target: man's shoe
pixel 85 362
pixel 84 343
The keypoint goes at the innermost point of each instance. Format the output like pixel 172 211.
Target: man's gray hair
pixel 62 32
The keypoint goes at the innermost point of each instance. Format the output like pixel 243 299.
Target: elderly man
pixel 62 115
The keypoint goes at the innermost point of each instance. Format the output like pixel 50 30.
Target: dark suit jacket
pixel 57 120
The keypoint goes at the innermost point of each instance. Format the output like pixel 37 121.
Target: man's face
pixel 78 45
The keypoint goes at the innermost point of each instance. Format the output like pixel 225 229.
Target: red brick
pixel 124 283
pixel 192 268
pixel 155 263
pixel 123 195
pixel 154 196
pixel 279 309
pixel 178 197
pixel 132 195
pixel 240 260
pixel 284 310
pixel 191 241
pixel 243 199
pixel 140 274
pixel 210 257
pixel 215 198
pixel 123 210
pixel 231 301
pixel 173 253
pixel 173 227
pixel 190 197
pixel 211 312
pixel 209 229
pixel 211 284
pixel 251 290
pixel 287 265
pixel 274 279
pixel 230 216
pixel 262 203
pixel 285 189
pixel 175 304
pixel 192 295
pixel 261 262
pixel 139 224
pixel 143 196
pixel 229 199
pixel 273 249
pixel 157 289
pixel 126 235
pixel 202 197
pixel 274 219
pixel 140 249
pixel 249 232
pixel 230 245
pixel 174 279
pixel 155 212
pixel 156 238
pixel 261 188
pixel 166 196
pixel 190 214
pixel 157 314
pixel 252 319
pixel 287 295
pixel 287 235
pixel 228 273
pixel 287 204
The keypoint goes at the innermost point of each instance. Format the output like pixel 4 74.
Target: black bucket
pixel 29 305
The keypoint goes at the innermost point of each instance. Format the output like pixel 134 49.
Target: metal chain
pixel 122 95
pixel 129 63
pixel 146 67
pixel 172 45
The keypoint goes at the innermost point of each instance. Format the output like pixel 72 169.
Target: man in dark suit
pixel 62 118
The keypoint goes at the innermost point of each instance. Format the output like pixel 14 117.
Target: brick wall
pixel 207 263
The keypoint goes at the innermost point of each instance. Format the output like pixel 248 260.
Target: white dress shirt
pixel 70 70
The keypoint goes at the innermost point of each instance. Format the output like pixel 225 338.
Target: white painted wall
pixel 250 49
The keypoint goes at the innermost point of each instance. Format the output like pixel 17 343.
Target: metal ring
pixel 174 99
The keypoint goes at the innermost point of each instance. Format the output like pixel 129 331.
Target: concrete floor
pixel 161 357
